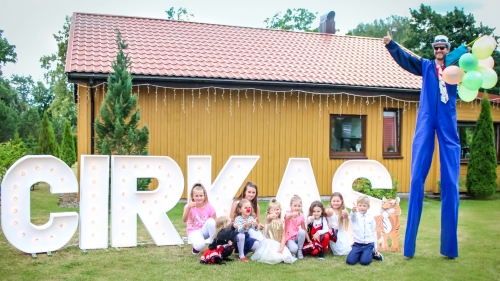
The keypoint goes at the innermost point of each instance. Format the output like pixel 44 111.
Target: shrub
pixel 364 186
pixel 10 152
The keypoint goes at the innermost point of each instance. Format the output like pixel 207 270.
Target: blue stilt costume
pixel 433 117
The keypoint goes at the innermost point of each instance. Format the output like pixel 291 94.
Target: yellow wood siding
pixel 276 126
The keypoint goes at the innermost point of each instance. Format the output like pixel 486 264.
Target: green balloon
pixel 467 62
pixel 466 94
pixel 489 75
pixel 472 80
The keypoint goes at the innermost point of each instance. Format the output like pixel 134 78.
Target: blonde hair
pixel 238 207
pixel 342 221
pixel 273 203
pixel 198 187
pixel 295 197
pixel 220 224
pixel 363 199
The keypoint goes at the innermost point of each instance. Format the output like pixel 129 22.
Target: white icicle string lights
pixel 474 104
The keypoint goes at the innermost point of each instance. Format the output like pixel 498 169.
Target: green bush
pixel 364 186
pixel 10 152
pixel 482 166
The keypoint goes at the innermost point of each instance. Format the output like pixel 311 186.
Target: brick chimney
pixel 327 23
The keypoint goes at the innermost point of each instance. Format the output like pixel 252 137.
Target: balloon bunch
pixel 475 70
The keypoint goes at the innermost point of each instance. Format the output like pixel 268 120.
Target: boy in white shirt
pixel 364 248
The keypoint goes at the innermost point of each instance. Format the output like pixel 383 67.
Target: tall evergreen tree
pixel 117 127
pixel 47 144
pixel 482 168
pixel 68 146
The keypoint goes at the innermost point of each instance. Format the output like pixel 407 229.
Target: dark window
pixel 466 133
pixel 347 136
pixel 392 133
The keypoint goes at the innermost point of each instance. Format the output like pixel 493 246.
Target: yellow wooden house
pixel 218 90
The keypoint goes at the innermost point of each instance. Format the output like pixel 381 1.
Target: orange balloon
pixel 488 62
pixel 453 74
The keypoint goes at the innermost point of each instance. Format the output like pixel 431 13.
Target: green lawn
pixel 479 232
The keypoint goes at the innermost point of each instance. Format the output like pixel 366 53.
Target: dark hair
pixel 254 200
pixel 199 187
pixel 314 204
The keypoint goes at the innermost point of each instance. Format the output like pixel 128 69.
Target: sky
pixel 30 24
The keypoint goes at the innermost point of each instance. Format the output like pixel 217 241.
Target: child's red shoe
pixel 244 259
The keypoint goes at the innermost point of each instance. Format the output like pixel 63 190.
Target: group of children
pixel 284 240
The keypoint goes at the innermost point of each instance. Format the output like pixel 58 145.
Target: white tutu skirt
pixel 343 245
pixel 268 253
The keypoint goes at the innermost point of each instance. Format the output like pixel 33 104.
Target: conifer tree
pixel 482 167
pixel 47 144
pixel 117 126
pixel 68 146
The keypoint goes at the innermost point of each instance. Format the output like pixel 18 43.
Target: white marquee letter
pixel 227 183
pixel 16 224
pixel 351 170
pixel 94 200
pixel 298 179
pixel 151 206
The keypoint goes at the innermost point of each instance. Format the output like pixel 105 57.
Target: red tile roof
pixel 160 47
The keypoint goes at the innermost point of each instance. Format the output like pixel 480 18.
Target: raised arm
pixel 405 60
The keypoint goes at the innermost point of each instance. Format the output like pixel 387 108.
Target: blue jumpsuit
pixel 433 117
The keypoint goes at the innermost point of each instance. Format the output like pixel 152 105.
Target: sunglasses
pixel 439 48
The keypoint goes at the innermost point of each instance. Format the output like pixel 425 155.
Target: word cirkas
pixel 151 206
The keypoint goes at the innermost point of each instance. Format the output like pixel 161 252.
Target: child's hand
pixel 329 212
pixel 272 216
pixel 295 214
pixel 247 224
pixel 230 242
pixel 235 225
pixel 261 226
pixel 316 236
pixel 191 204
pixel 344 213
pixel 281 249
pixel 354 208
pixel 255 224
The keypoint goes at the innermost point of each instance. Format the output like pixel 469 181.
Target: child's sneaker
pixel 244 259
pixel 300 255
pixel 194 251
pixel 321 255
pixel 378 256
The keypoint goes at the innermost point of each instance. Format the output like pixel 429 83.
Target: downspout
pixel 92 132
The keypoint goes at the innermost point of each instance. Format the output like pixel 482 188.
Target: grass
pixel 478 236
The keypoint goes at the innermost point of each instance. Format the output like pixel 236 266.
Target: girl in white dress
pixel 272 248
pixel 338 221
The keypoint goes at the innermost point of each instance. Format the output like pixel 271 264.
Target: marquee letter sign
pixel 16 224
pixel 298 179
pixel 227 183
pixel 351 170
pixel 151 206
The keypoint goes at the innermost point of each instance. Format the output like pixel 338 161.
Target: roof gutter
pixel 258 84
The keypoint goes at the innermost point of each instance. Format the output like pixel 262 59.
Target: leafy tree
pixel 117 127
pixel 180 14
pixel 293 19
pixel 42 97
pixel 68 146
pixel 7 53
pixel 46 140
pixel 482 167
pixel 62 103
pixel 24 86
pixel 379 28
pixel 8 122
pixel 10 152
pixel 29 124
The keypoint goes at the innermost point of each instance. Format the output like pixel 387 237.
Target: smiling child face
pixel 296 206
pixel 246 209
pixel 198 196
pixel 336 202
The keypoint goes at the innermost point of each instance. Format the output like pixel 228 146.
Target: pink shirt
pixel 292 226
pixel 197 217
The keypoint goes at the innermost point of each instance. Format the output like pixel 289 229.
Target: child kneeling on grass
pixel 364 248
pixel 222 246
